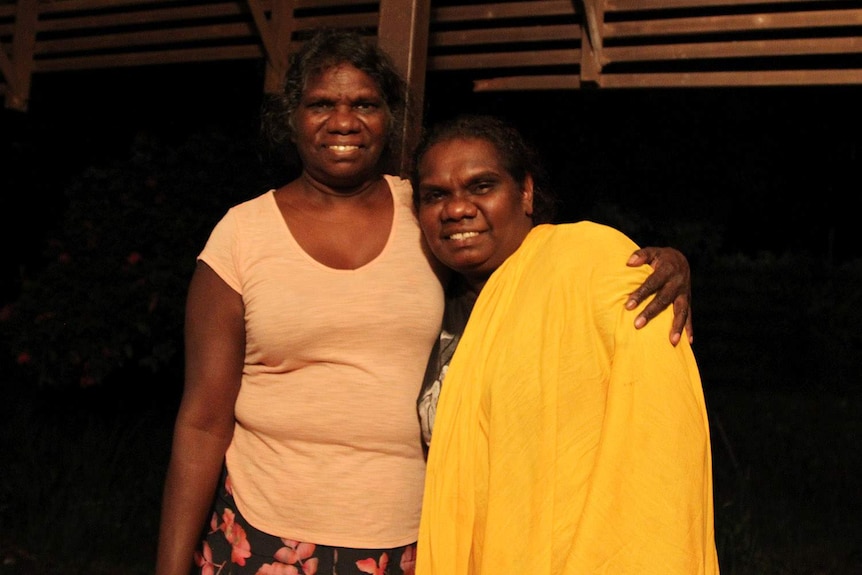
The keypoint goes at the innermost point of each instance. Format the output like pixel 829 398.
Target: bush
pixel 109 294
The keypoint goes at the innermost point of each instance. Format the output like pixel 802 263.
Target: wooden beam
pixel 738 49
pixel 402 33
pixel 233 33
pixel 6 67
pixel 808 21
pixel 591 42
pixel 737 79
pixel 489 60
pixel 513 35
pixel 734 79
pixel 635 5
pixel 521 83
pixel 268 37
pixel 507 10
pixel 156 57
pixel 23 45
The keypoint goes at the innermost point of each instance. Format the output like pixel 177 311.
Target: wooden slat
pixel 225 53
pixel 520 83
pixel 162 16
pixel 198 34
pixel 508 35
pixel 504 60
pixel 740 49
pixel 681 80
pixel 635 5
pixel 737 23
pixel 488 12
pixel 365 20
pixel 738 79
pixel 64 6
pixel 334 4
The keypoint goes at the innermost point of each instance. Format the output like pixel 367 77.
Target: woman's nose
pixel 458 207
pixel 342 119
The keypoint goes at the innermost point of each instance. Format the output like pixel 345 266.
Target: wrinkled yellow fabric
pixel 567 442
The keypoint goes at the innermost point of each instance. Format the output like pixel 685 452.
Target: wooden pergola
pixel 514 45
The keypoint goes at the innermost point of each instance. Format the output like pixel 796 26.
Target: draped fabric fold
pixel 566 442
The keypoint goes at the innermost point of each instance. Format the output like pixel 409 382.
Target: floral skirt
pixel 233 547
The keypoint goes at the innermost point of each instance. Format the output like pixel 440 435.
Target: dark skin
pixel 675 275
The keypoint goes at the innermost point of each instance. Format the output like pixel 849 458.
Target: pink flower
pixel 205 560
pixel 408 560
pixel 294 551
pixel 24 358
pixel 277 569
pixel 134 258
pixel 298 554
pixel 214 523
pixel 235 535
pixel 370 565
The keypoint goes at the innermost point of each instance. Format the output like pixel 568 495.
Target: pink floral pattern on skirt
pixel 233 547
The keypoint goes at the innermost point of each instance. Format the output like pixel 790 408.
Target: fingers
pixel 681 317
pixel 650 286
pixel 655 306
pixel 671 284
pixel 642 256
pixel 638 258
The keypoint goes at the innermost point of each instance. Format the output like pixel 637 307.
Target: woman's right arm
pixel 214 356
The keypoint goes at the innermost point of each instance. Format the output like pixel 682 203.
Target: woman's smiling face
pixel 473 213
pixel 341 127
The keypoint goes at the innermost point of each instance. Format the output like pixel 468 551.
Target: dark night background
pixel 112 179
pixel 763 169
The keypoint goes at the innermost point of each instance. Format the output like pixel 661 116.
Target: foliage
pixel 111 291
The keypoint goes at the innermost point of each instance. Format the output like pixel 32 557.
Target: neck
pixel 474 284
pixel 317 188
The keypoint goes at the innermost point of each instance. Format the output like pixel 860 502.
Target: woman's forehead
pixel 340 74
pixel 462 147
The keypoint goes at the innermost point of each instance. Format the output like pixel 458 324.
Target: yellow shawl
pixel 567 442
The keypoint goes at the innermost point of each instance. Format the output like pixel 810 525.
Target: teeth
pixel 343 148
pixel 463 235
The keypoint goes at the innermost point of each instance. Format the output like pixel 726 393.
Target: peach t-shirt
pixel 326 447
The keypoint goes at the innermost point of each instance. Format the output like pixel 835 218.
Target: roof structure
pixel 508 45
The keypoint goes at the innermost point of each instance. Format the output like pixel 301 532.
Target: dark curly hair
pixel 326 48
pixel 519 156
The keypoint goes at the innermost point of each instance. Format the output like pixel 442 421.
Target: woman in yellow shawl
pixel 565 442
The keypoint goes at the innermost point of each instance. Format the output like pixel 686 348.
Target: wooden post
pixel 19 70
pixel 402 32
pixel 591 41
pixel 281 26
